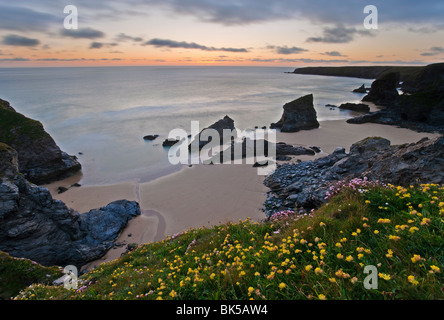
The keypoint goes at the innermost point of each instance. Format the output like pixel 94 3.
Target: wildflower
pixel 376 231
pixel 319 271
pixel 309 267
pixel 416 258
pixel 413 229
pixel 384 276
pixel 322 224
pixel 412 280
pixel 282 285
pixel 338 245
pixel 394 238
pixel 250 290
pixel 339 256
pixel 389 253
pixel 257 274
pixel 384 221
pixel 332 280
pixel 322 297
pixel 359 249
pixel 173 294
pixel 349 259
pixel 367 201
pixel 354 280
pixel 425 221
pixel 341 274
pixel 434 269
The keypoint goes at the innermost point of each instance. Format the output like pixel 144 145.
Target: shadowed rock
pixel 299 114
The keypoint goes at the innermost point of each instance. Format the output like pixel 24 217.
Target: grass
pixel 15 126
pixel 321 255
pixel 15 274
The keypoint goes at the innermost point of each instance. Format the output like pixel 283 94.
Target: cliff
pixel 40 160
pixel 364 72
pixel 35 226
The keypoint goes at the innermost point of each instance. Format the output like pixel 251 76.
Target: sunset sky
pixel 220 32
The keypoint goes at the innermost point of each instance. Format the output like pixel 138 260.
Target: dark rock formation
pixel 358 107
pixel 35 226
pixel 306 184
pixel 364 72
pixel 299 114
pixel 151 137
pixel 169 142
pixel 261 147
pixel 224 127
pixel 420 108
pixel 384 90
pixel 361 89
pixel 40 160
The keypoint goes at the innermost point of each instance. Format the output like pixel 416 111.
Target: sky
pixel 290 33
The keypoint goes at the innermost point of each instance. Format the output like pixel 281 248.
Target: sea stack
pixel 299 114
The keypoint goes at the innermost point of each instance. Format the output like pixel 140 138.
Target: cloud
pixel 333 54
pixel 121 37
pixel 287 50
pixel 19 41
pixel 350 12
pixel 434 51
pixel 84 33
pixel 339 34
pixel 25 19
pixel 14 59
pixel 165 43
pixel 99 45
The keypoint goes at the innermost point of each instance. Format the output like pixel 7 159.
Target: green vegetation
pixel 16 274
pixel 15 126
pixel 321 255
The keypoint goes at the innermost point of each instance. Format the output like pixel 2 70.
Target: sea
pixel 101 114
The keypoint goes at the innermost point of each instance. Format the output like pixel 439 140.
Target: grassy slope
pixel 320 256
pixel 13 125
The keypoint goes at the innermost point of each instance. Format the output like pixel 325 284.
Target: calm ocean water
pixel 104 112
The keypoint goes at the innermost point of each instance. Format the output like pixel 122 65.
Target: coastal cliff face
pixel 420 108
pixel 40 160
pixel 35 226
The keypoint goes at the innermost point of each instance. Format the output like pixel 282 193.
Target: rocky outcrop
pixel 35 226
pixel 420 108
pixel 224 127
pixel 299 114
pixel 306 184
pixel 40 160
pixel 358 107
pixel 383 91
pixel 361 89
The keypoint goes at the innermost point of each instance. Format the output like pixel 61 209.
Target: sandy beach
pixel 206 195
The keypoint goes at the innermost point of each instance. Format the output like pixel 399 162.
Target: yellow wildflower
pixel 434 269
pixel 416 258
pixel 412 280
pixel 322 297
pixel 384 276
pixel 282 285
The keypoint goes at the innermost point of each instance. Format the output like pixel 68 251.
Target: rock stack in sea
pixel 299 114
pixel 420 107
